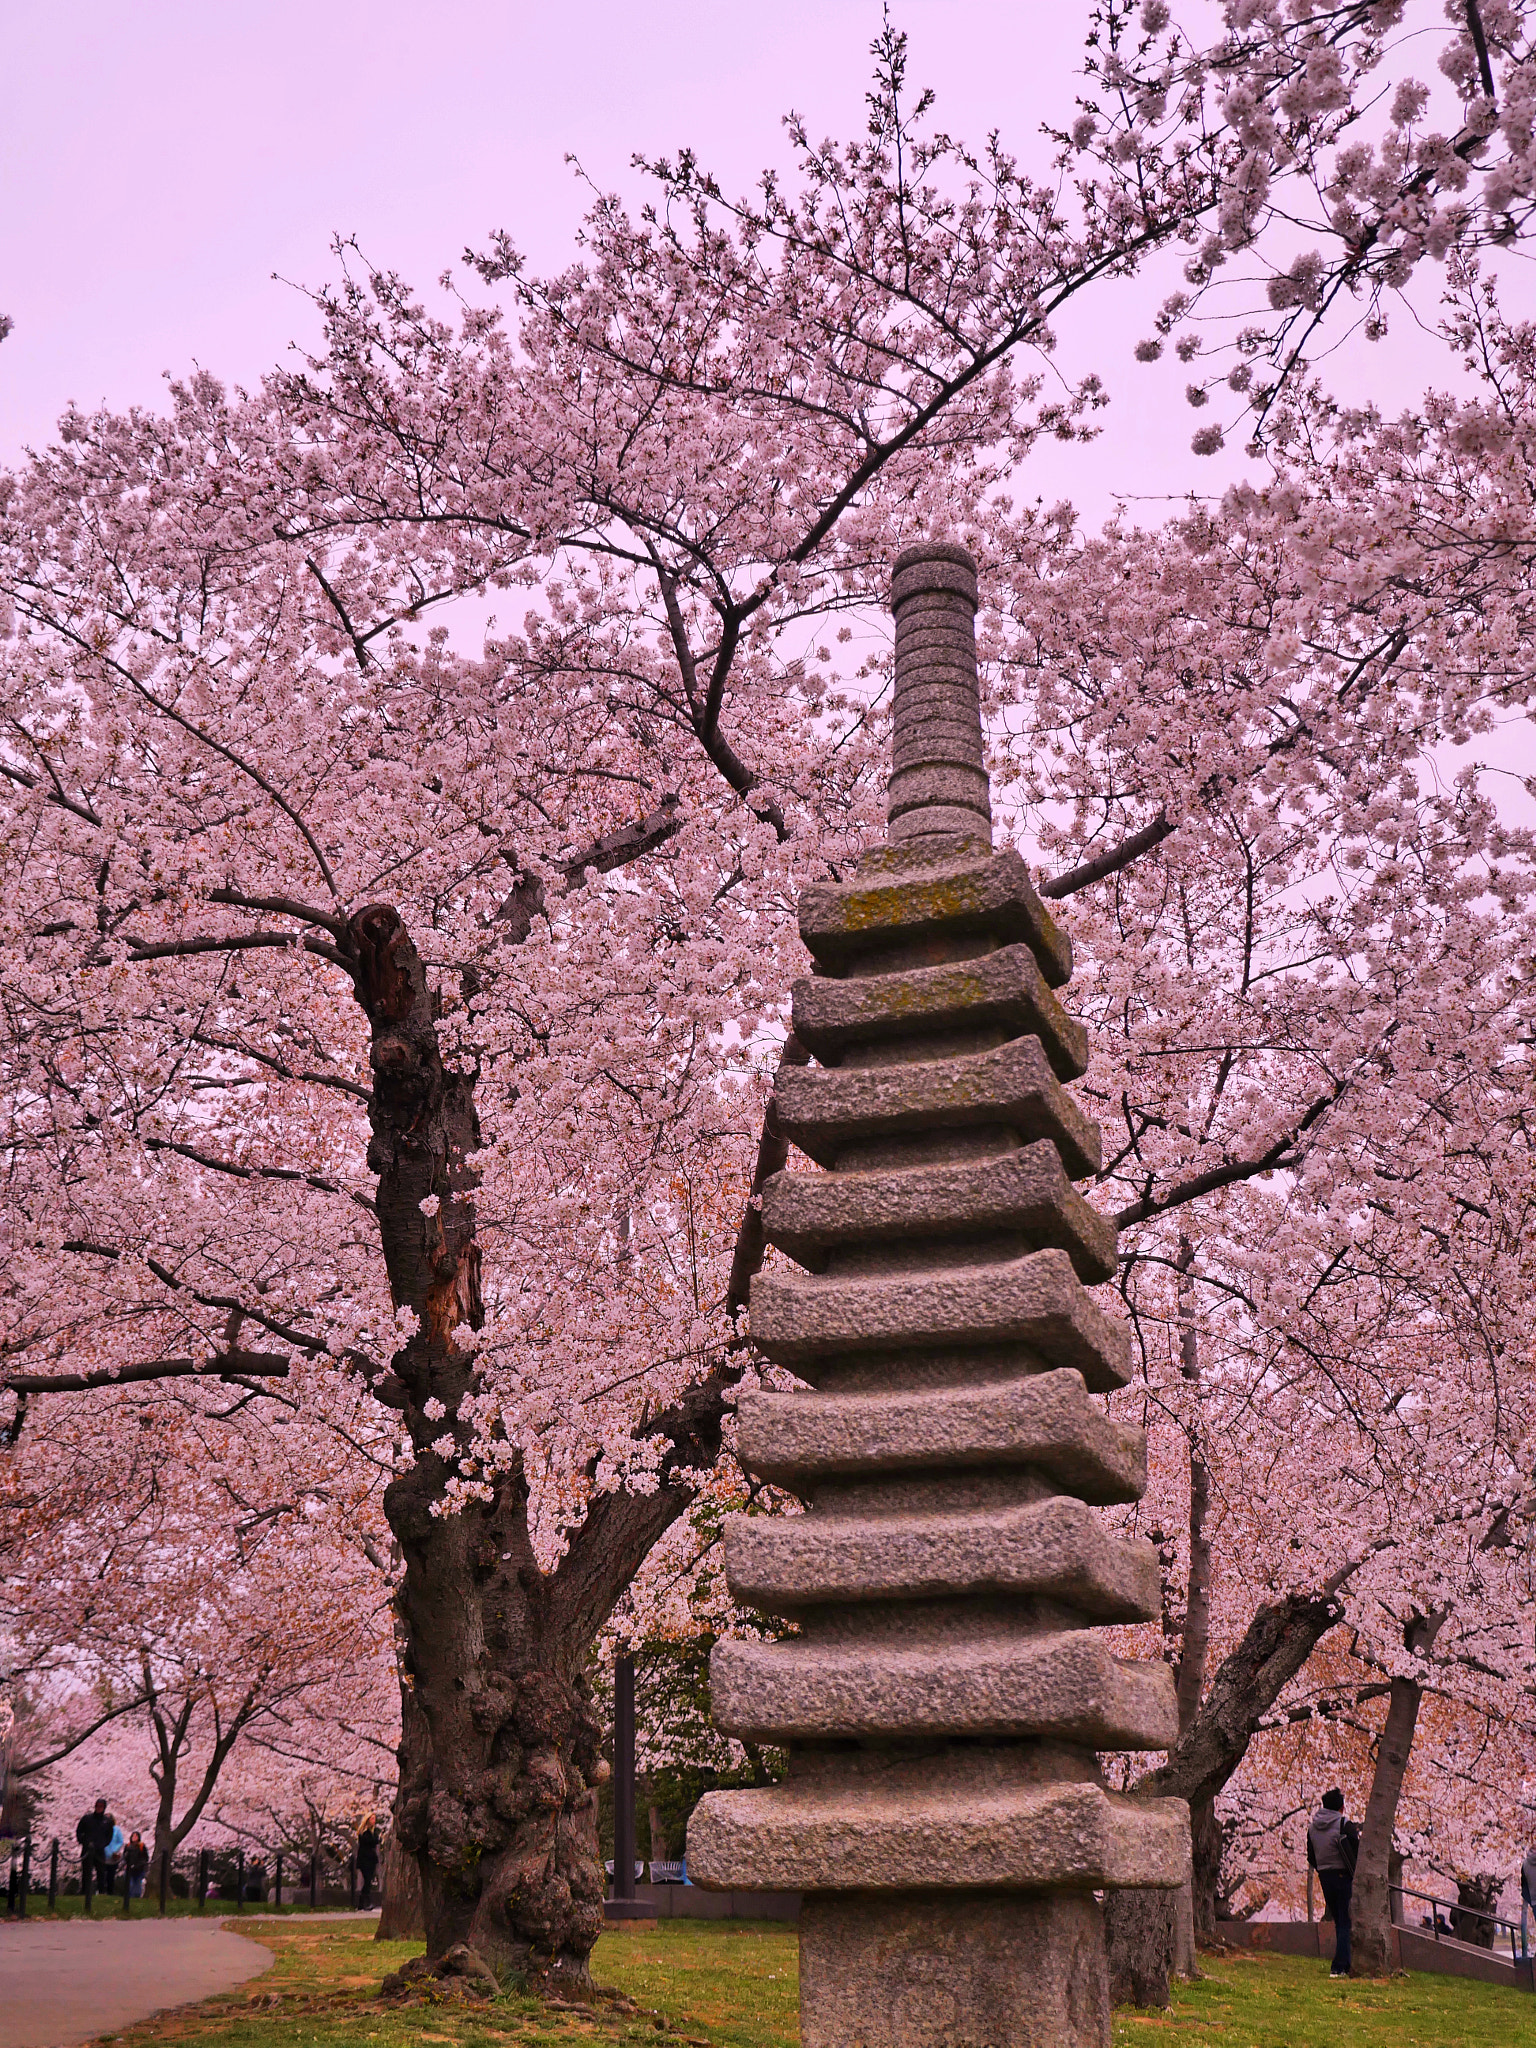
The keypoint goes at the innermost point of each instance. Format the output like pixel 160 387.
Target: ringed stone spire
pixel 952 1679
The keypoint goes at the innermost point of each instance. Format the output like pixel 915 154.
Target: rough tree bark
pixel 1371 1903
pixel 1151 1935
pixel 1477 1899
pixel 401 1916
pixel 1277 1642
pixel 497 1804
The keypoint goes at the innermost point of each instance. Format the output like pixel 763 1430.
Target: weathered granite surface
pixel 953 1675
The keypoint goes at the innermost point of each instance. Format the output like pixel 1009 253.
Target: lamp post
pixel 624 1905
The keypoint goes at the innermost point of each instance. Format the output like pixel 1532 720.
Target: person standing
pixel 367 1858
pixel 93 1831
pixel 136 1864
pixel 1527 1894
pixel 1333 1849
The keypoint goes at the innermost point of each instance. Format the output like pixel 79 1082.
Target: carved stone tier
pixel 1023 1195
pixel 1003 992
pixel 953 1674
pixel 970 1819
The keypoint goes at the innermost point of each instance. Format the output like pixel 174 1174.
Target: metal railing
pixel 1519 1950
pixel 21 1882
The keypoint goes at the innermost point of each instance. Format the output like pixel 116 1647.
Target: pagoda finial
pixel 938 786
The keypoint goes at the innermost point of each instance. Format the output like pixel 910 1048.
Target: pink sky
pixel 160 162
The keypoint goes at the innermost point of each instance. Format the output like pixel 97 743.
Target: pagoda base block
pixel 936 1970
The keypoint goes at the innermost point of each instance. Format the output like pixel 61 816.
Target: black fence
pixel 234 1878
pixel 1443 1915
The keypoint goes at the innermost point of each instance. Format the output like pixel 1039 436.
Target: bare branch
pixel 229 1366
pixel 1109 863
pixel 239 1171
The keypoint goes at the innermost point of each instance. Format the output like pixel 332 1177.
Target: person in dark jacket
pixel 136 1864
pixel 367 1857
pixel 1333 1847
pixel 93 1831
pixel 1527 1894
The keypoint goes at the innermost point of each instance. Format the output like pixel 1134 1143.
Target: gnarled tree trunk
pixel 497 1802
pixel 401 1916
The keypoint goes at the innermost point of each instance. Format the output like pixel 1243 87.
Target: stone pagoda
pixel 951 1680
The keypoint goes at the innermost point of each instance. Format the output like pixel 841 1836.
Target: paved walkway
pixel 64 1981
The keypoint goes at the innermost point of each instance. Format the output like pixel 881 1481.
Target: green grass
pixel 698 1984
pixel 702 1984
pixel 1267 2001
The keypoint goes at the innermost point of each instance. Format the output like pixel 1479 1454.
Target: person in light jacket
pixel 1333 1847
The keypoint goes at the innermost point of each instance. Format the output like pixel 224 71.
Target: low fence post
pixel 202 1880
pixel 277 1895
pixel 352 1884
pixel 239 1880
pixel 314 1877
pixel 53 1876
pixel 26 1870
pixel 87 1872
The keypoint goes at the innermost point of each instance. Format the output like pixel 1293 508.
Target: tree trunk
pixel 498 1803
pixel 1205 1838
pixel 1141 1935
pixel 1277 1642
pixel 1477 1898
pixel 401 1917
pixel 1370 1904
pixel 1371 1901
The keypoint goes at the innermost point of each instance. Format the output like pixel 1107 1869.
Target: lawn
pixel 699 1984
pixel 1258 2001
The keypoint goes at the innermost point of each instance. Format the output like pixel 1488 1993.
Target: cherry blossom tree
pixel 1306 944
pixel 405 1013
pixel 185 1577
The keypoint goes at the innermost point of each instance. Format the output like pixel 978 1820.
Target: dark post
pixel 202 1879
pixel 87 1873
pixel 26 1870
pixel 624 1778
pixel 314 1876
pixel 127 1883
pixel 165 1881
pixel 239 1880
pixel 53 1876
pixel 277 1897
pixel 352 1884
